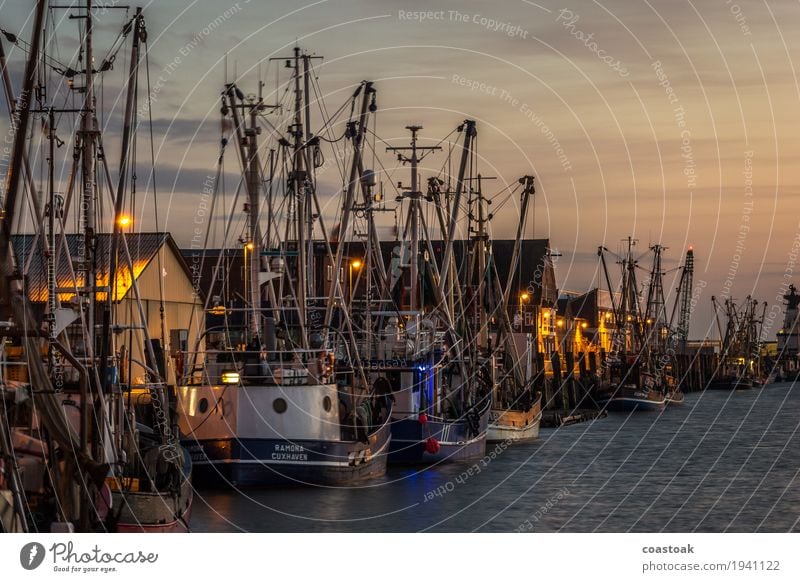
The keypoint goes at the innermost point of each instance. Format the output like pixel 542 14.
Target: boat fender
pixel 432 445
pixel 423 418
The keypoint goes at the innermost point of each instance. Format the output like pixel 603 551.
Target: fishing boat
pixel 519 423
pixel 739 365
pixel 633 379
pixel 284 399
pixel 93 459
pixel 673 395
pixel 412 345
pixel 516 408
pixel 630 389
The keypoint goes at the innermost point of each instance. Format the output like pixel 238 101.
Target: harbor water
pixel 722 462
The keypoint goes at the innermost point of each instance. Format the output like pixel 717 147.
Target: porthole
pixel 326 403
pixel 279 405
pixel 202 406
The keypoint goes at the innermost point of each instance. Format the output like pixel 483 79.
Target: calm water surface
pixel 721 462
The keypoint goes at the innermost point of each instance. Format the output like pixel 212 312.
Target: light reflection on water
pixel 721 462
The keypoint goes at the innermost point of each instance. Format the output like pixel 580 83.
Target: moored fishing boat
pixel 66 351
pixel 281 400
pixel 739 365
pixel 635 379
pixel 516 425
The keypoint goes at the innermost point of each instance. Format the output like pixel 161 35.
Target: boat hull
pixel 249 462
pixel 674 398
pixel 154 512
pixel 731 384
pixel 265 435
pixel 457 439
pixel 515 426
pixel 629 399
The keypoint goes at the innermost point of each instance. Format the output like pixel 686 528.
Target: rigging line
pixel 116 46
pixel 325 115
pixel 25 47
pixel 447 160
pixel 220 178
pixel 506 200
pixel 387 173
pixel 161 300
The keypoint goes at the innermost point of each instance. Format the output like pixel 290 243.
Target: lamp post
pixel 248 246
pixel 354 264
pixel 524 297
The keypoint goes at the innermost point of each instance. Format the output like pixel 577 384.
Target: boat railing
pixel 392 344
pixel 286 367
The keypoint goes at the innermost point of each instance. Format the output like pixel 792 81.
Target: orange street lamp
pixel 354 264
pixel 248 246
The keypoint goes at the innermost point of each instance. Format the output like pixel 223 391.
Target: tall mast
pixel 630 302
pixel 8 285
pixel 481 239
pixel 349 196
pixel 655 308
pixel 469 135
pixel 414 196
pixel 309 215
pixel 254 194
pixel 247 140
pixel 87 135
pixel 299 178
pixel 684 297
pixel 130 105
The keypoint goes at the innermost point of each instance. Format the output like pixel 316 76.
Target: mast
pixel 630 299
pixel 254 193
pixel 119 201
pixel 299 177
pixel 87 134
pixel 308 274
pixel 655 318
pixel 683 301
pixel 481 238
pixel 469 135
pixel 414 196
pixel 527 193
pixel 8 286
pixel 349 197
pixel 247 141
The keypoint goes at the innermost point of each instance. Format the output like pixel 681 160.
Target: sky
pixel 671 121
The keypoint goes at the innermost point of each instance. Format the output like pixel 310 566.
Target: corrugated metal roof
pixel 143 248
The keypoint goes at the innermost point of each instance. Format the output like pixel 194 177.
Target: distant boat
pixel 633 379
pixel 672 393
pixel 516 425
pixel 637 393
pixel 739 360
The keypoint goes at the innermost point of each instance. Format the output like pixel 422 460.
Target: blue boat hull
pixel 631 398
pixel 458 439
pixel 631 405
pixel 731 384
pixel 278 462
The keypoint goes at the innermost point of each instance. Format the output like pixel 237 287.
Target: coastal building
pixel 586 320
pixel 172 306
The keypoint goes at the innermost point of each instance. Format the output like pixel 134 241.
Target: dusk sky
pixel 669 120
